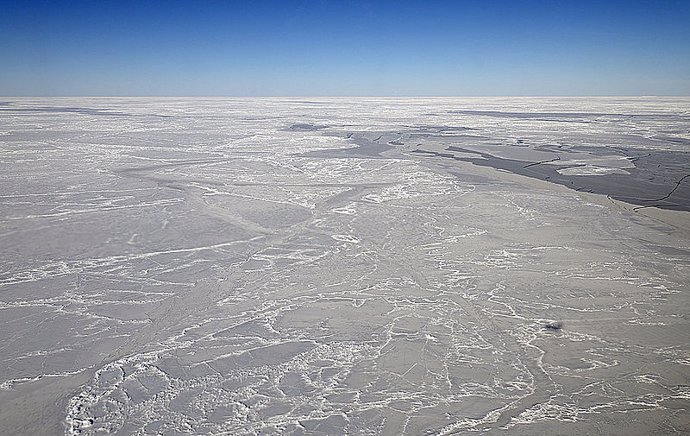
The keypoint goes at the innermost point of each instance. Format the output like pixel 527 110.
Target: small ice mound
pixel 590 170
pixel 349 209
pixel 553 325
pixel 346 238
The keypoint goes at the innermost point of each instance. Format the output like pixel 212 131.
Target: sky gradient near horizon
pixel 342 48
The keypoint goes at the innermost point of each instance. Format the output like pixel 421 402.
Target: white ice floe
pixel 590 170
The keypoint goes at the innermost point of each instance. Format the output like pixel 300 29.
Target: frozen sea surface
pixel 340 266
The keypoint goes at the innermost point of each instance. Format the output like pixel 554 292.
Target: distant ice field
pixel 344 266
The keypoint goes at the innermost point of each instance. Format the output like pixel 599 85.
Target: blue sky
pixel 342 48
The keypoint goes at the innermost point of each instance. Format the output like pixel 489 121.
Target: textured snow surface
pixel 340 266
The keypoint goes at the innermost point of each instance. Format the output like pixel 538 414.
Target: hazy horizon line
pixel 359 96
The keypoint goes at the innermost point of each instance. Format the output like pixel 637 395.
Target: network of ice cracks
pixel 215 277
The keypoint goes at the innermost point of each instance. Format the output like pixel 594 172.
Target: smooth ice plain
pixel 344 266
